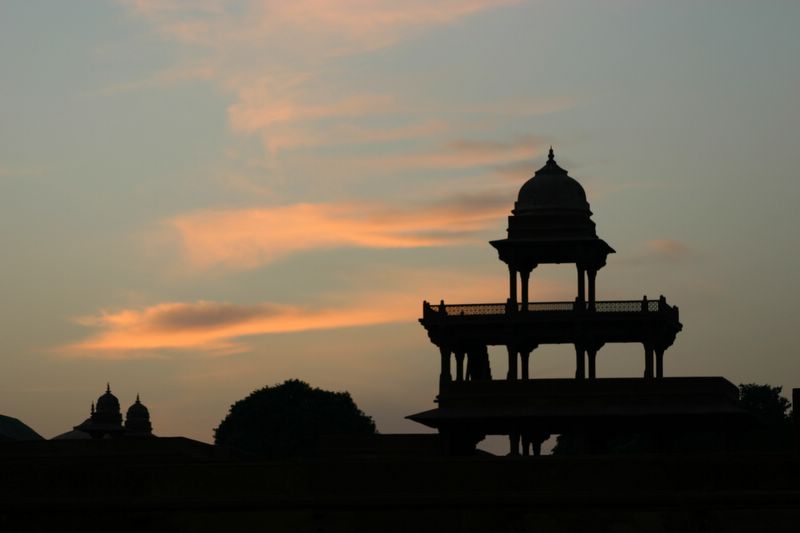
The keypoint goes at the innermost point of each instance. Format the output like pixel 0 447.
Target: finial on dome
pixel 137 398
pixel 108 386
pixel 550 156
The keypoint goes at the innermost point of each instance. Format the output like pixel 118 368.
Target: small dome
pixel 137 411
pixel 137 420
pixel 107 403
pixel 551 188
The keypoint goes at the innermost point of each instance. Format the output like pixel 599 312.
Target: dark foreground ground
pixel 189 488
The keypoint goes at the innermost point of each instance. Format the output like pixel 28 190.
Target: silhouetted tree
pixel 287 420
pixel 765 402
pixel 771 409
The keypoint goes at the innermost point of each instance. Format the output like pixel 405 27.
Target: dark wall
pixel 681 493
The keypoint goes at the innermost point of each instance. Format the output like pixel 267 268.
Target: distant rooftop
pixel 12 429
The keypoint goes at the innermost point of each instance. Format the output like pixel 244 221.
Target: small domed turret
pixel 105 419
pixel 551 223
pixel 107 409
pixel 137 419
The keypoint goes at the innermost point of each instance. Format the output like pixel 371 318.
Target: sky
pixel 201 198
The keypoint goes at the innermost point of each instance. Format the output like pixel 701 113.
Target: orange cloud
pixel 291 136
pixel 211 326
pixel 660 251
pixel 330 26
pixel 217 327
pixel 459 154
pixel 257 110
pixel 249 238
pixel 668 248
pixel 470 153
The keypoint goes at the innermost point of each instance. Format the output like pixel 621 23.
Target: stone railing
pixel 614 306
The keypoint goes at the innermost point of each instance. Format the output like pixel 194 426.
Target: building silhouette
pixel 551 224
pixel 401 483
pixel 105 420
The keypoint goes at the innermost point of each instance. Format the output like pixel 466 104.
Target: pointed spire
pixel 550 155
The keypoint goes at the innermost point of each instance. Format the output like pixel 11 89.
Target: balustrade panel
pixel 620 306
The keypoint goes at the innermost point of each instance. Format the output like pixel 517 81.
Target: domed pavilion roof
pixel 551 223
pixel 551 188
pixel 107 403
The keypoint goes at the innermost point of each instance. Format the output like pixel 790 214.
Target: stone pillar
pixel 580 362
pixel 525 276
pixel 460 365
pixel 525 356
pixel 537 447
pixel 526 444
pixel 581 286
pixel 445 376
pixel 592 353
pixel 512 363
pixel 659 362
pixel 512 284
pixel 514 444
pixel 592 274
pixel 648 361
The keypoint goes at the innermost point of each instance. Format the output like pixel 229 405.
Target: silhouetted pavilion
pixel 551 223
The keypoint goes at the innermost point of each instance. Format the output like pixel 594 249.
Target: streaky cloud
pixel 241 239
pixel 218 328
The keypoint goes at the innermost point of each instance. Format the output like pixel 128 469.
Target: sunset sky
pixel 202 197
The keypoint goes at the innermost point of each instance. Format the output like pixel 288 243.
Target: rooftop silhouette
pixel 105 420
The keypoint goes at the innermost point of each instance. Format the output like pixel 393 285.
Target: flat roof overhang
pixel 558 405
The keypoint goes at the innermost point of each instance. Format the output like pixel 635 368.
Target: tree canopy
pixel 288 419
pixel 770 408
pixel 765 402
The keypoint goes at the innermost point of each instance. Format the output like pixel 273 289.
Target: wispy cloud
pixel 248 238
pixel 270 56
pixel 211 326
pixel 218 328
pixel 668 247
pixel 460 154
pixel 481 153
pixel 170 76
pixel 660 251
pixel 332 26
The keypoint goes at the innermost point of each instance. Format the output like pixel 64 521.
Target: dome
pixel 137 419
pixel 551 188
pixel 107 403
pixel 137 411
pixel 106 414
